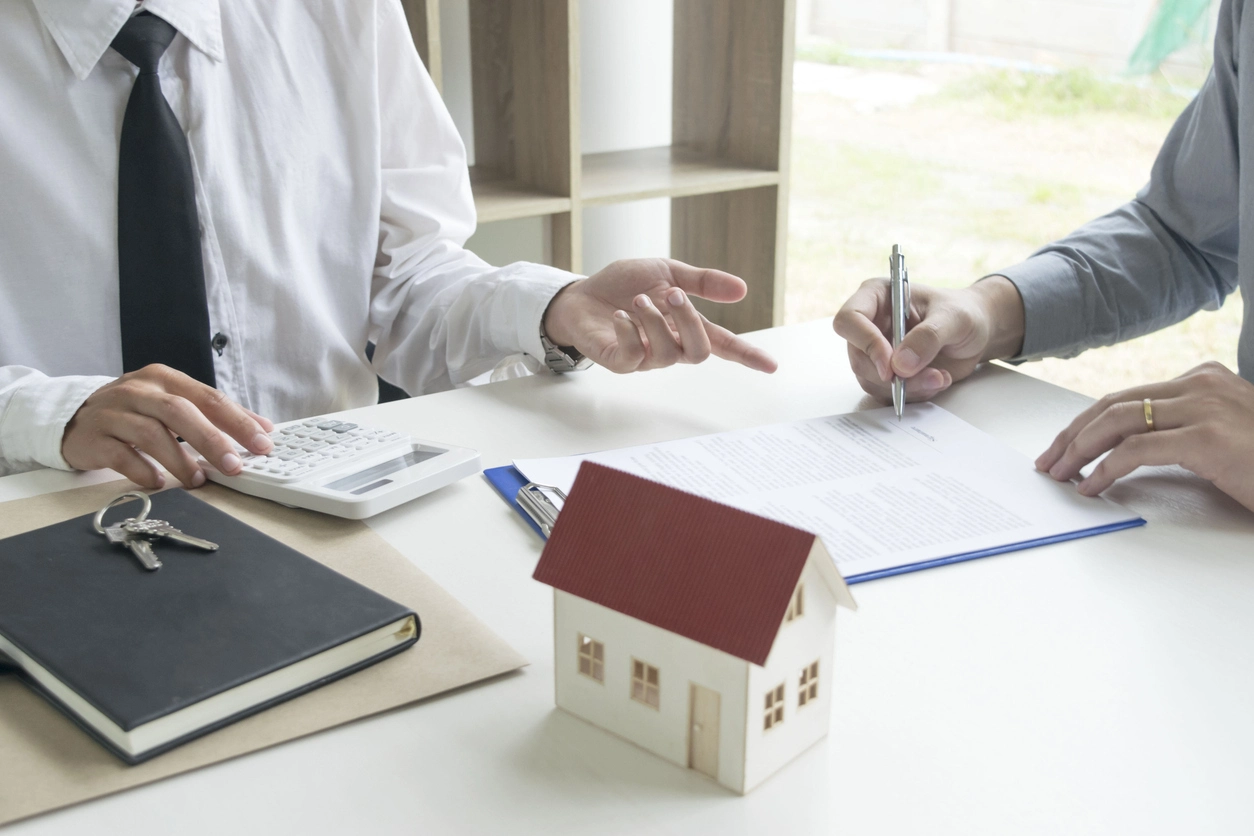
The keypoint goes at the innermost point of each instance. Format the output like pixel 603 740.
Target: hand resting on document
pixel 635 315
pixel 1203 421
pixel 146 410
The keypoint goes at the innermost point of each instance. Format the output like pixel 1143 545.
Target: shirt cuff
pixel 532 292
pixel 1053 321
pixel 33 424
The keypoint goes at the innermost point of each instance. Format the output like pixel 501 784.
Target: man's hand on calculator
pixel 314 444
pixel 147 411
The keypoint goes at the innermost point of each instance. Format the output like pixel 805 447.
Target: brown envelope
pixel 47 762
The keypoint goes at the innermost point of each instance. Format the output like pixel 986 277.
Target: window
pixel 591 658
pixel 644 683
pixel 774 707
pixel 797 606
pixel 808 690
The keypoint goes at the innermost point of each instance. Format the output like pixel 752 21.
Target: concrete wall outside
pixel 1100 34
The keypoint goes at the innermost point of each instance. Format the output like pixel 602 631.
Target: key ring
pixel 98 522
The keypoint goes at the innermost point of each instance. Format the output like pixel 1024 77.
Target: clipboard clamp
pixel 535 500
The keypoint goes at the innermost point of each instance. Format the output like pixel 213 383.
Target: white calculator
pixel 347 470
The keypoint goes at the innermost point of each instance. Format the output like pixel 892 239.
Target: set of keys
pixel 140 533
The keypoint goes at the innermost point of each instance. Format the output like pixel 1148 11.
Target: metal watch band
pixel 562 359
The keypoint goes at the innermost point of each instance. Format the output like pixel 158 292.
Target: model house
pixel 698 631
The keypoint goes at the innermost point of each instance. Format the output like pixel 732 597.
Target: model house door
pixel 703 730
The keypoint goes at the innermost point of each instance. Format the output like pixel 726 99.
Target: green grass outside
pixel 1073 93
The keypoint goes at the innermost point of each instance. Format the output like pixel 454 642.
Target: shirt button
pixel 219 342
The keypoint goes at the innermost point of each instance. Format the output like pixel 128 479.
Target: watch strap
pixel 562 358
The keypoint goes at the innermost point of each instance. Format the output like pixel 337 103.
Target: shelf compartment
pixel 498 199
pixel 666 171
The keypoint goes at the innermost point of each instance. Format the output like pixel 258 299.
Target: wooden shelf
pixel 664 172
pixel 503 200
pixel 725 170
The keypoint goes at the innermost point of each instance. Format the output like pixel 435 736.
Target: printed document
pixel 884 496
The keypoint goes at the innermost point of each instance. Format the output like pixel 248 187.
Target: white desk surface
pixel 1097 686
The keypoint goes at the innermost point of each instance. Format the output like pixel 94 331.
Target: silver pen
pixel 900 281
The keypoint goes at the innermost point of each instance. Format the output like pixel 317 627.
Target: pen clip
pixel 899 281
pixel 905 288
pixel 534 499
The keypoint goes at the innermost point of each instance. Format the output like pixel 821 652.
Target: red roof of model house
pixel 707 571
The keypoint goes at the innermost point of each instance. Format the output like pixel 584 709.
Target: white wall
pixel 625 79
pixel 625 100
pixel 679 661
pixel 455 58
pixel 800 642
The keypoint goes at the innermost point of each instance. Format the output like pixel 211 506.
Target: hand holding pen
pixel 948 333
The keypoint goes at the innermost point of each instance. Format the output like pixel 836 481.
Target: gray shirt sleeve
pixel 1166 254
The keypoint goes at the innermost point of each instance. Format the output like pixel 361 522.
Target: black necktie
pixel 161 281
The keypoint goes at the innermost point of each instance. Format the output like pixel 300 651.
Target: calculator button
pixel 326 425
pixel 343 428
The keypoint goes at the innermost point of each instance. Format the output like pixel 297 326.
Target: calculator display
pixel 372 477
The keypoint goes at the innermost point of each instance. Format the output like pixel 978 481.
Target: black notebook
pixel 145 661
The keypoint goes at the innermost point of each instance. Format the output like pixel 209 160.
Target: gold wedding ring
pixel 1149 414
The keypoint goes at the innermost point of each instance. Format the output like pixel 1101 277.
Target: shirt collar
pixel 83 29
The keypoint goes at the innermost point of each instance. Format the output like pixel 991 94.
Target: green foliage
pixel 1073 92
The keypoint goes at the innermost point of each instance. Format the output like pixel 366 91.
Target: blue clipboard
pixel 507 480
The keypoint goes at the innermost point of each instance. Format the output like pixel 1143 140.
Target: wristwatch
pixel 562 358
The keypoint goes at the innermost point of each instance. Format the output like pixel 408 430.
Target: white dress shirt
pixel 333 199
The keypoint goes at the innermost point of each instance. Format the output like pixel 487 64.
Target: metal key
pixel 138 533
pixel 139 546
pixel 160 529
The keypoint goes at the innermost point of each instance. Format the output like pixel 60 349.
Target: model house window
pixel 808 690
pixel 644 683
pixel 797 606
pixel 591 658
pixel 774 707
